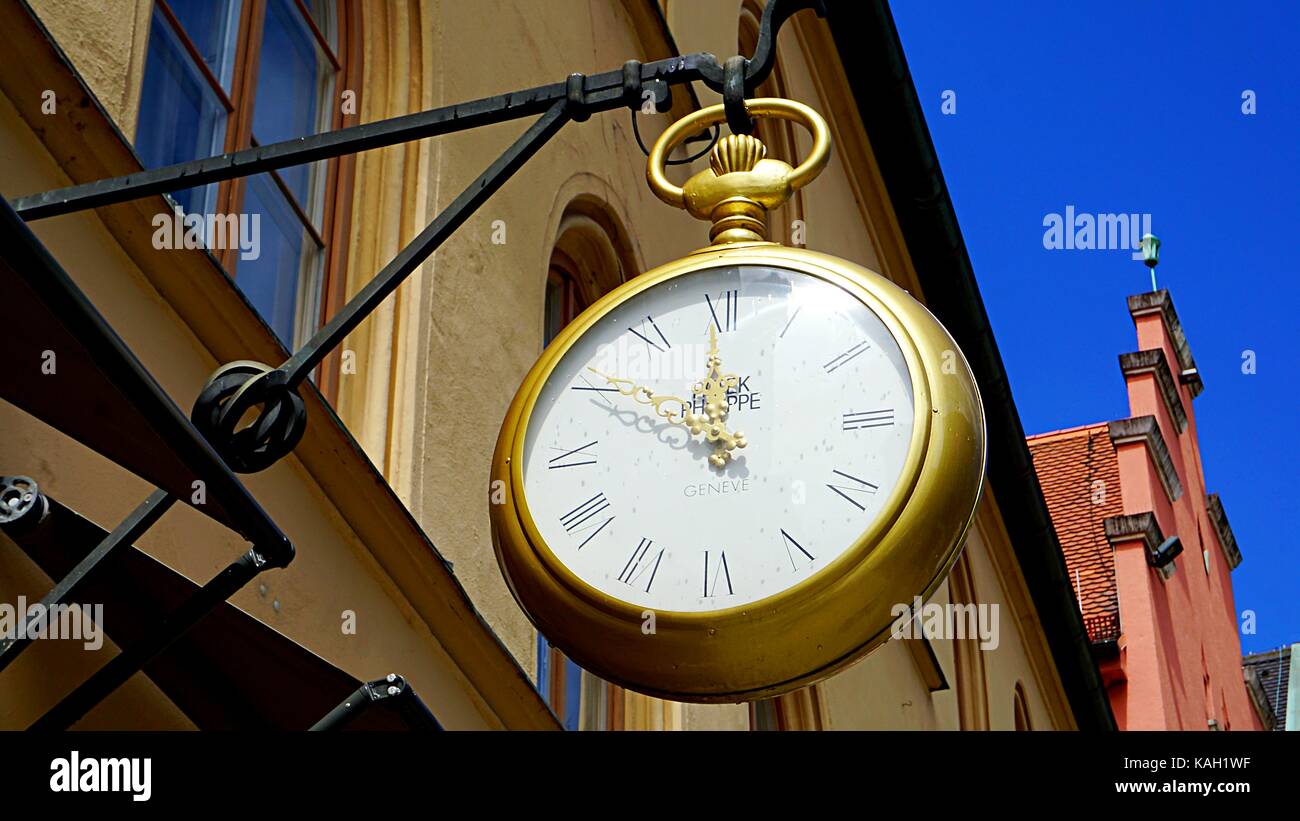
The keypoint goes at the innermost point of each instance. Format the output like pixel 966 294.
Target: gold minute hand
pixel 714 389
pixel 645 396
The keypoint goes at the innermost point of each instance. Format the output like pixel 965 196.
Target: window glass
pixel 572 694
pixel 554 309
pixel 559 682
pixel 212 26
pixel 285 273
pixel 293 79
pixel 181 117
pixel 191 109
pixel 764 715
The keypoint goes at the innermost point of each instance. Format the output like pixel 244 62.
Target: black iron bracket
pixel 239 387
pixel 582 95
pixel 23 507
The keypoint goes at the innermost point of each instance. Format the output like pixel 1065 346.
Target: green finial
pixel 1151 255
pixel 1150 250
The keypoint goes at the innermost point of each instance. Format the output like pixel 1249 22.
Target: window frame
pixel 336 174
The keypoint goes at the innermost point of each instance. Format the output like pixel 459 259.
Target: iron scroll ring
pixel 230 393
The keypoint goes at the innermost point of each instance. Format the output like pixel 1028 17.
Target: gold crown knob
pixel 737 152
pixel 741 184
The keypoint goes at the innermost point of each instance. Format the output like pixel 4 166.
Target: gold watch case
pixel 820 625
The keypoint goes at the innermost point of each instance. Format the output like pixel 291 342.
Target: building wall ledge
pixel 1144 429
pixel 1138 526
pixel 1223 530
pixel 1154 362
pixel 1161 302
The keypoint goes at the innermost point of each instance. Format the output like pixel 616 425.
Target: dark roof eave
pixel 869 48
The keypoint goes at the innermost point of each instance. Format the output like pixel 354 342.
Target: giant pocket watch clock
pixel 723 476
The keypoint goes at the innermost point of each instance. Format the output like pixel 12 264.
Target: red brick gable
pixel 1079 474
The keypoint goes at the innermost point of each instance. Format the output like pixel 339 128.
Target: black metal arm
pixel 300 365
pixel 127 663
pixel 392 690
pixel 582 95
pixel 140 520
pixel 600 92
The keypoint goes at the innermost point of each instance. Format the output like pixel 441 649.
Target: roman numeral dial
pixel 852 490
pixel 642 561
pixel 585 520
pixel 721 572
pixel 621 494
pixel 846 357
pixel 724 310
pixel 868 419
pixel 795 552
pixel 651 335
pixel 579 456
pixel 588 385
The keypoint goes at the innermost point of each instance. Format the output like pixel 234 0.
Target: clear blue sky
pixel 1137 107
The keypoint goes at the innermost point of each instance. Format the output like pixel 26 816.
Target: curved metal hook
pixel 775 13
pixel 733 95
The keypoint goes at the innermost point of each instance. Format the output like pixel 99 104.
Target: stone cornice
pixel 1227 540
pixel 1145 429
pixel 1162 303
pixel 1153 361
pixel 1141 526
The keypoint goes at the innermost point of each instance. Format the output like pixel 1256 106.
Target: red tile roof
pixel 1079 474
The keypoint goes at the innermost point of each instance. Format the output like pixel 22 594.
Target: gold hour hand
pixel 677 411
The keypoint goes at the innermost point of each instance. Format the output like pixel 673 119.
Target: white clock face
pixel 630 502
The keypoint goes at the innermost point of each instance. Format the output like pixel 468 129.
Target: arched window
pixel 224 75
pixel 591 257
pixel 564 298
pixel 1021 709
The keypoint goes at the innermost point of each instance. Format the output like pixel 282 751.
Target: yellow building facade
pixel 386 497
